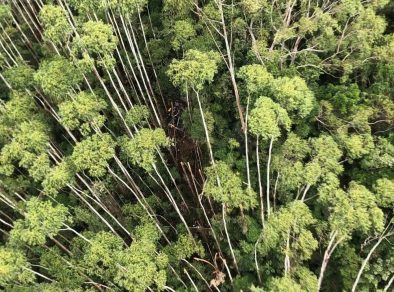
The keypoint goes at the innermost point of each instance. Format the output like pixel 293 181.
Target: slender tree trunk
pixel 268 176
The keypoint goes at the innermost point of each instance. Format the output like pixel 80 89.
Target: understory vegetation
pixel 196 145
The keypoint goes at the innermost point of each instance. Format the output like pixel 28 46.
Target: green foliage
pixel 141 149
pixel 344 98
pixel 252 6
pixel 284 284
pixel 126 7
pixel 291 223
pixel 183 31
pixel 83 112
pixel 356 145
pixel 58 177
pixel 14 267
pixel 55 23
pixel 57 77
pixel 354 210
pixel 27 143
pixel 102 254
pixel 42 220
pixel 18 109
pixel 225 186
pixel 86 203
pixel 266 118
pixel 138 114
pixel 60 268
pixel 5 12
pixel 184 248
pixel 194 70
pixel 194 125
pixel 326 153
pixel 256 77
pixel 294 95
pixel 97 40
pixel 142 267
pixel 20 77
pixel 384 189
pixel 93 153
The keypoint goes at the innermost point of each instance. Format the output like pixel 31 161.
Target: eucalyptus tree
pixel 132 133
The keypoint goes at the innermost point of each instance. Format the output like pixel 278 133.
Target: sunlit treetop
pixel 184 248
pixel 326 152
pixel 66 275
pixel 256 77
pixel 29 141
pixel 57 77
pixel 142 267
pixel 295 148
pixel 183 31
pixel 83 112
pixel 56 26
pixel 5 12
pixel 354 210
pixel 357 145
pixel 125 7
pixel 294 95
pixel 58 177
pixel 19 108
pixel 137 115
pixel 14 267
pixel 41 220
pixel 381 156
pixel 194 70
pixel 267 118
pixel 102 254
pixel 282 284
pixel 225 186
pixel 384 189
pixel 40 167
pixel 93 153
pixel 20 77
pixel 296 220
pixel 253 6
pixel 142 148
pixel 97 39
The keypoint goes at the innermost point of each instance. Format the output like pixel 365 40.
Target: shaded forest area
pixel 196 145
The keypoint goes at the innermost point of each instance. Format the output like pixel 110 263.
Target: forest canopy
pixel 196 145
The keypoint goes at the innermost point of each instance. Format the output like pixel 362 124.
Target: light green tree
pixel 55 23
pixel 57 77
pixel 225 186
pixel 267 118
pixel 97 39
pixel 41 220
pixel 93 153
pixel 141 149
pixel 83 112
pixel 14 267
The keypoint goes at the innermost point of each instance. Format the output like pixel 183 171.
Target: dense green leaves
pixel 267 118
pixel 93 154
pixel 225 186
pixel 14 267
pixel 141 149
pixel 194 70
pixel 97 39
pixel 57 77
pixel 54 19
pixel 42 220
pixel 83 112
pixel 196 145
